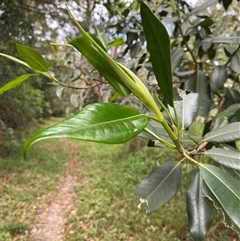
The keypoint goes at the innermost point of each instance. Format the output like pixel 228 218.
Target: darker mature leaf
pixel 225 189
pixel 158 44
pixel 160 186
pixel 187 109
pixel 199 208
pixel 198 82
pixel 100 122
pixel 235 63
pixel 228 133
pixel 218 78
pixel 227 158
pixel 226 3
pixel 176 57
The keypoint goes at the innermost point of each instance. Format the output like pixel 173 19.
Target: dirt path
pixel 51 221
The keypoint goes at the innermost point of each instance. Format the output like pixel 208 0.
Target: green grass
pixel 26 183
pixel 104 207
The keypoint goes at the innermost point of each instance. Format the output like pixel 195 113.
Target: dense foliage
pixel 194 75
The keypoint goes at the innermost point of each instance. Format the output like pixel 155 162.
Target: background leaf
pixel 187 109
pixel 161 185
pixel 235 63
pixel 32 57
pixel 227 158
pixel 228 133
pixel 225 189
pixel 199 208
pixel 176 57
pixel 218 78
pixel 158 45
pixel 14 83
pixel 198 82
pixel 100 122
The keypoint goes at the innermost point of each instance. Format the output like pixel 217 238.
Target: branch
pixel 186 44
pixel 235 52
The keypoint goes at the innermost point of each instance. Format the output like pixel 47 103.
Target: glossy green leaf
pixel 235 63
pixel 32 57
pixel 225 189
pixel 199 209
pixel 232 172
pixel 218 78
pixel 100 122
pixel 228 133
pixel 176 57
pixel 84 45
pixel 158 45
pixel 227 158
pixel 220 122
pixel 187 109
pixel 160 186
pixel 14 83
pixel 199 83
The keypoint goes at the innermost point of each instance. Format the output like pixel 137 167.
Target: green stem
pixel 160 139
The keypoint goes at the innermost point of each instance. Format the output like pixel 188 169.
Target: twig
pixel 186 44
pixel 230 58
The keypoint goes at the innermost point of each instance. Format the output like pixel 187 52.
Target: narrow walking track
pixel 51 221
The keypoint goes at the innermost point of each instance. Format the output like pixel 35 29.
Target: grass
pixel 104 207
pixel 25 184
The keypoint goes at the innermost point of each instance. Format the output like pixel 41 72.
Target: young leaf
pixel 218 78
pixel 228 133
pixel 32 57
pixel 198 82
pixel 99 122
pixel 84 45
pixel 158 45
pixel 14 83
pixel 226 190
pixel 199 208
pixel 160 186
pixel 187 109
pixel 225 157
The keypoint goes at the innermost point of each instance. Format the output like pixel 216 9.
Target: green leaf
pixel 187 109
pixel 227 158
pixel 228 133
pixel 218 78
pixel 116 42
pixel 232 172
pixel 226 190
pixel 32 57
pixel 158 45
pixel 176 57
pixel 235 63
pixel 160 186
pixel 84 45
pixel 105 123
pixel 228 113
pixel 198 82
pixel 15 60
pixel 203 6
pixel 199 209
pixel 220 40
pixel 14 83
